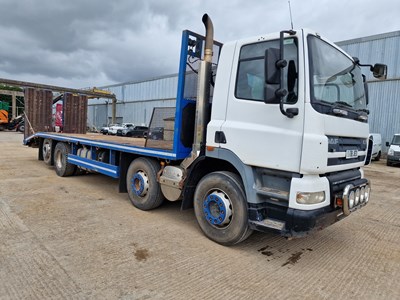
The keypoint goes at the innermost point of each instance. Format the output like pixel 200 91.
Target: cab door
pixel 257 132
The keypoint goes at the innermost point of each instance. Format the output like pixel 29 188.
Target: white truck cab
pixel 291 107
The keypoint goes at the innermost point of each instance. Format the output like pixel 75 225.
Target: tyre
pixel 143 189
pixel 388 163
pixel 46 152
pixel 220 207
pixel 378 157
pixel 21 128
pixel 63 167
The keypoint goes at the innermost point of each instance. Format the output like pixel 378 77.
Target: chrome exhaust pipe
pixel 203 86
pixel 203 94
pixel 208 48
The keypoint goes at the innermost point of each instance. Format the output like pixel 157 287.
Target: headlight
pixel 391 151
pixel 310 198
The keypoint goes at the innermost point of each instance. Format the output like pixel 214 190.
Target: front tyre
pixel 141 180
pixel 220 207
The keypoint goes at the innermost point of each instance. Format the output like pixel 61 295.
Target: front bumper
pixel 299 223
pixel 393 159
pixel 293 222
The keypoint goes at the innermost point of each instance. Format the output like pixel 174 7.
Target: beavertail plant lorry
pixel 269 133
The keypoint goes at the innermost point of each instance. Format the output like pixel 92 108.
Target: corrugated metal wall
pixel 384 109
pixel 384 95
pixel 135 101
pixel 381 48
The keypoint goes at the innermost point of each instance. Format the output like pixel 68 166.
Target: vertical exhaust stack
pixel 203 94
pixel 208 49
pixel 203 87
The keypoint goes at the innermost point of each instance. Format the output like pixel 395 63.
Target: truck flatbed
pixel 156 148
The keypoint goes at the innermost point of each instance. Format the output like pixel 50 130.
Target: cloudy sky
pixel 82 43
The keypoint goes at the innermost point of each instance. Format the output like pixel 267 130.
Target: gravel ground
pixel 78 238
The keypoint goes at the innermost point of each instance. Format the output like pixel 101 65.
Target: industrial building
pixel 384 95
pixel 136 100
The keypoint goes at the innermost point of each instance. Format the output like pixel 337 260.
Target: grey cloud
pixel 98 42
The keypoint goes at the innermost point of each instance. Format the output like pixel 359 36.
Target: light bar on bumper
pixel 355 196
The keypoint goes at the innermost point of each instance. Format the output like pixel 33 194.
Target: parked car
pixel 135 131
pixel 376 146
pixel 156 133
pixel 124 130
pixel 104 129
pixel 113 129
pixel 393 156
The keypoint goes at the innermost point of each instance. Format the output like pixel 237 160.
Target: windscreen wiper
pixel 342 103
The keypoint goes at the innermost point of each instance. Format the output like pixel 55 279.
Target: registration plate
pixel 351 154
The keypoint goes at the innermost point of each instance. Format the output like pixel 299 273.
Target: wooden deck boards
pixel 121 140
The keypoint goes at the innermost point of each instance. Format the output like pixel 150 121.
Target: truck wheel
pixel 221 209
pixel 143 189
pixel 46 152
pixel 63 167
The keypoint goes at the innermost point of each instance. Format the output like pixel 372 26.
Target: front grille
pixel 396 153
pixel 342 144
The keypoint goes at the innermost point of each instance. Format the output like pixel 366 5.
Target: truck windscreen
pixel 335 80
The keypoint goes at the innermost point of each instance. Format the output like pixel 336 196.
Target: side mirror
pixel 387 144
pixel 379 71
pixel 272 72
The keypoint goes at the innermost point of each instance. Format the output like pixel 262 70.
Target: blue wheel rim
pixel 137 184
pixel 214 209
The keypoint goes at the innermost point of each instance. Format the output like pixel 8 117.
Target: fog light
pixel 357 196
pixel 362 194
pixel 367 192
pixel 351 199
pixel 310 198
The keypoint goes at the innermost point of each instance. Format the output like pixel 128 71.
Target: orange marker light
pixel 210 148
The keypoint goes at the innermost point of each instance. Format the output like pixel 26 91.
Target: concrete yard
pixel 78 238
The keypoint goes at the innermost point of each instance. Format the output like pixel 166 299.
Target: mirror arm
pixel 371 67
pixel 281 64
